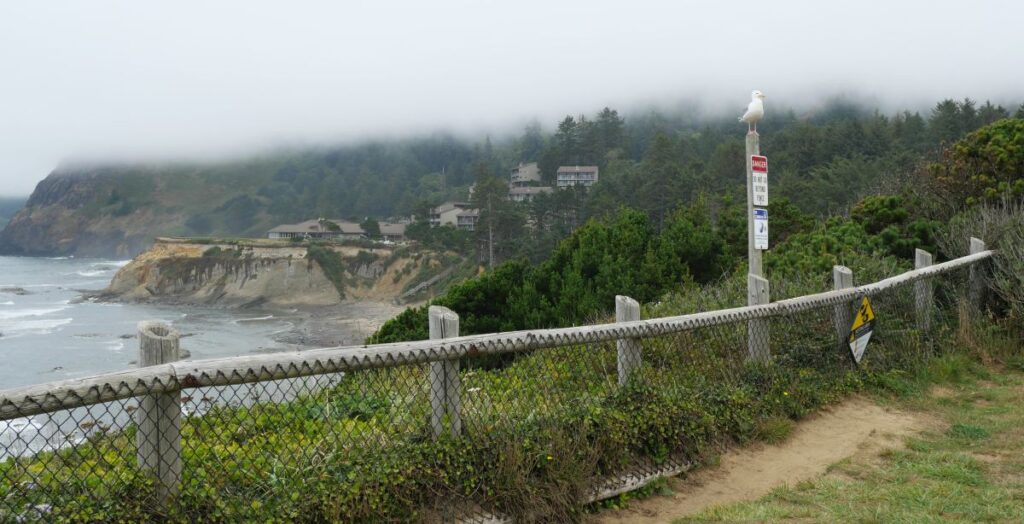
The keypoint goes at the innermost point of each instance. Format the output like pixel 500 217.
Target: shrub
pixel 330 263
pixel 984 166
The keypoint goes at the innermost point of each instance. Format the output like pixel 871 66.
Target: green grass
pixel 970 468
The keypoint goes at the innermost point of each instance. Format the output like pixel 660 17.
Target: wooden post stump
pixel 445 383
pixel 757 329
pixel 923 299
pixel 842 315
pixel 158 419
pixel 628 349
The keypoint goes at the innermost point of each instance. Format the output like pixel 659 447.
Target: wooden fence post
pixel 842 315
pixel 628 349
pixel 158 419
pixel 757 329
pixel 976 280
pixel 923 300
pixel 445 384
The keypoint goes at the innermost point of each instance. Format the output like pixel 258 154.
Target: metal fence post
pixel 445 384
pixel 628 349
pixel 757 329
pixel 976 281
pixel 923 301
pixel 158 419
pixel 842 316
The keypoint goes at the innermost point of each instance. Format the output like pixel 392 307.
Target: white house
pixel 568 176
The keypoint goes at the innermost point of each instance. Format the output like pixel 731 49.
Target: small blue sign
pixel 760 228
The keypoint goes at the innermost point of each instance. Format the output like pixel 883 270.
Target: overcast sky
pixel 127 80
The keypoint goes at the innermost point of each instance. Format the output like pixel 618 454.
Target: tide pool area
pixel 49 332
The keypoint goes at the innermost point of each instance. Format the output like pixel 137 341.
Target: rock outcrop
pixel 81 213
pixel 180 273
pixel 262 272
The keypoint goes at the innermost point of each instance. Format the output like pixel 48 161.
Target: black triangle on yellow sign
pixel 864 315
pixel 860 331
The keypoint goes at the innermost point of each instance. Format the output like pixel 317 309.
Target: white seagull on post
pixel 755 111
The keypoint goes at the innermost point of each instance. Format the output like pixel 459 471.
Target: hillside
pixel 827 159
pixel 117 210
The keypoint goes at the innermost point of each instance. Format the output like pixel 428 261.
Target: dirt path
pixel 855 427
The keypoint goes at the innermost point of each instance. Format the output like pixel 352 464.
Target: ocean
pixel 48 333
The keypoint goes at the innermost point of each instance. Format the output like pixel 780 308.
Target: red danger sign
pixel 759 163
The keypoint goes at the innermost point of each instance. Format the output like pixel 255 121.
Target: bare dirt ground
pixel 855 427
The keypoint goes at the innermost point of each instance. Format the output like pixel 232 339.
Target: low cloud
pixel 129 80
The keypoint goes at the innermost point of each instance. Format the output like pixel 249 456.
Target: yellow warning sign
pixel 860 331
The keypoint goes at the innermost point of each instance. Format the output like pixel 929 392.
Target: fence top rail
pixel 55 396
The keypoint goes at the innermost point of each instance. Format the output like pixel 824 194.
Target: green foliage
pixel 985 166
pixel 898 226
pixel 440 238
pixel 580 279
pixel 815 252
pixel 330 263
pixel 371 227
pixel 533 465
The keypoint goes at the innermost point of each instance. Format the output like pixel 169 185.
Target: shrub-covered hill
pixel 823 160
pixel 630 254
pixel 118 209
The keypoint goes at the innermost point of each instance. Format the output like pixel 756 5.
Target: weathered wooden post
pixel 842 315
pixel 757 329
pixel 158 419
pixel 628 349
pixel 923 300
pixel 976 280
pixel 445 384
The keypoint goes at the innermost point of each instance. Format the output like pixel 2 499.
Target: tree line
pixel 649 245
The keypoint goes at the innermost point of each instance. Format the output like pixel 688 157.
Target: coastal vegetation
pixel 330 263
pixel 651 255
pixel 541 429
pixel 824 160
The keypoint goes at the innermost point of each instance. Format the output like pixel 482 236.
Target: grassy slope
pixel 970 470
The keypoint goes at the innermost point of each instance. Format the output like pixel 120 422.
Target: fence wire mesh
pixel 532 435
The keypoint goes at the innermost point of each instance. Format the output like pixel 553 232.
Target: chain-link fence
pixel 530 425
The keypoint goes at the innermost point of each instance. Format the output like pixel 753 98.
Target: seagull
pixel 755 111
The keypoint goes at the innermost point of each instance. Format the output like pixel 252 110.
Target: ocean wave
pixel 8 303
pixel 92 273
pixel 22 313
pixel 110 266
pixel 253 319
pixel 40 327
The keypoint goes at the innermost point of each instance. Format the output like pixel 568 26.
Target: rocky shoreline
pixel 346 324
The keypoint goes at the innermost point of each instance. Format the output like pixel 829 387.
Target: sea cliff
pixel 262 272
